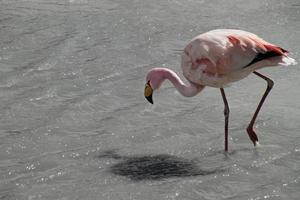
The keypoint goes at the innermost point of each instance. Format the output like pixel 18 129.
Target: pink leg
pixel 251 132
pixel 226 114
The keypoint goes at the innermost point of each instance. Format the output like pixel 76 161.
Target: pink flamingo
pixel 219 57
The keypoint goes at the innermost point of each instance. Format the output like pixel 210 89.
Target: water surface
pixel 74 123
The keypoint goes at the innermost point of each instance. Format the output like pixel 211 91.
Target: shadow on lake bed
pixel 155 167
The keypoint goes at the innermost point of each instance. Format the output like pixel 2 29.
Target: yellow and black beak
pixel 148 92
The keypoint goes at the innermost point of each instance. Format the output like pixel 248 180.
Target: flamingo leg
pixel 251 132
pixel 226 114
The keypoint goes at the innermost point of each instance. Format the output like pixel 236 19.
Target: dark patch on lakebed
pixel 155 167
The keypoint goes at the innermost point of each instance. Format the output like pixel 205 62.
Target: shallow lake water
pixel 74 123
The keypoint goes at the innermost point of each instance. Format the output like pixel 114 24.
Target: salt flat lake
pixel 74 123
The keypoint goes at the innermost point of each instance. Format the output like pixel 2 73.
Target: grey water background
pixel 74 123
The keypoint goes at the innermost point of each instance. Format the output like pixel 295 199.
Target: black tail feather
pixel 262 56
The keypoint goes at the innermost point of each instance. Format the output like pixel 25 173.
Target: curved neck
pixel 185 90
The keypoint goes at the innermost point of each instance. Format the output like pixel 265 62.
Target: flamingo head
pixel 154 80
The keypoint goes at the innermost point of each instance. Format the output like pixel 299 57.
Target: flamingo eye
pixel 148 84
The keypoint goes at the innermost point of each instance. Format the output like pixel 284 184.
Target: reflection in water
pixel 155 167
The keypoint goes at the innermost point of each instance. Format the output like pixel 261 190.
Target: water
pixel 74 123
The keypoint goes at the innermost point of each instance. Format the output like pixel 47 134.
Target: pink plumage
pixel 217 58
pixel 227 53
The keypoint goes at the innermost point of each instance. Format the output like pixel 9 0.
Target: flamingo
pixel 217 58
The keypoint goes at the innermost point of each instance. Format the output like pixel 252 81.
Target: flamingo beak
pixel 148 92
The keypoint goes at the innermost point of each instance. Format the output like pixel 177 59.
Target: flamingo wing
pixel 225 50
pixel 250 44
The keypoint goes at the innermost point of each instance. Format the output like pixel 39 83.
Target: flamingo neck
pixel 185 90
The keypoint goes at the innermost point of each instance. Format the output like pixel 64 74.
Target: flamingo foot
pixel 252 135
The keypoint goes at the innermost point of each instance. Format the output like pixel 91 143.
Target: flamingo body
pixel 217 58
